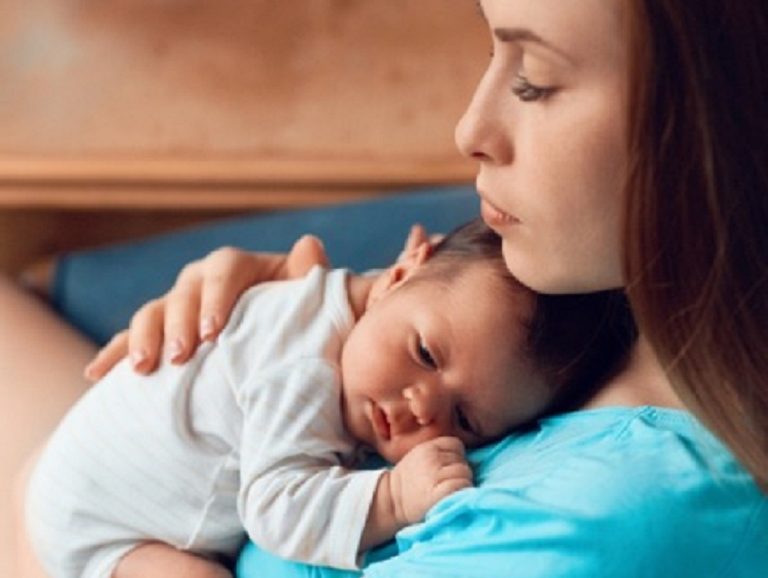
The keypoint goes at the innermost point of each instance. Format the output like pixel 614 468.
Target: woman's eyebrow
pixel 526 35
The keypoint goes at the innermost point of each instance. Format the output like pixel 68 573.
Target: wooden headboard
pixel 154 108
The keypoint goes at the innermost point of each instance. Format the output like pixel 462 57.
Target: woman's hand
pixel 196 308
pixel 417 237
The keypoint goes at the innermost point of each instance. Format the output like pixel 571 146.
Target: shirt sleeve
pixel 297 499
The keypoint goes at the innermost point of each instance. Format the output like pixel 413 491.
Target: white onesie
pixel 248 434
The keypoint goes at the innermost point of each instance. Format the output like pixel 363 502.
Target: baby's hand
pixel 428 473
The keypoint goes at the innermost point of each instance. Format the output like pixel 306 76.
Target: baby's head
pixel 451 344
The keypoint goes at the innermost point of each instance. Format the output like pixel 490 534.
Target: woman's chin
pixel 555 278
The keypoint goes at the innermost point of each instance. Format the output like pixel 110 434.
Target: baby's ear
pixel 398 273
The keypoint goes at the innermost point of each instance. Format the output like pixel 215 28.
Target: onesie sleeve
pixel 297 498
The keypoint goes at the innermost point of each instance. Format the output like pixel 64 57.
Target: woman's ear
pixel 400 272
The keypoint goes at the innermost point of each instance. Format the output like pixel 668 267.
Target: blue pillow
pixel 98 290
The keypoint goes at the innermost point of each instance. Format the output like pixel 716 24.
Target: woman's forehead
pixel 576 29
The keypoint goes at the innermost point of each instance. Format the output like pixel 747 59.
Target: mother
pixel 620 143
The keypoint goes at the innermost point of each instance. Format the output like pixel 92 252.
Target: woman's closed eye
pixel 527 92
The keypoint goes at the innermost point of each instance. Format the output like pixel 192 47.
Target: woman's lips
pixel 379 420
pixel 495 217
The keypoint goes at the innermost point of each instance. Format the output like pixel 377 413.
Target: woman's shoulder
pixel 605 492
pixel 643 458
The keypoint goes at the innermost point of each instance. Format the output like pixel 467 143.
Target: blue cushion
pixel 98 290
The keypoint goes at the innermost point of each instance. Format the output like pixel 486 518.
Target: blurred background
pixel 121 118
pixel 126 117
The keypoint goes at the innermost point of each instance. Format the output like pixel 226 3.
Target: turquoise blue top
pixel 618 492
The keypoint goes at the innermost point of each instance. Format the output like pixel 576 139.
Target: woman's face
pixel 547 124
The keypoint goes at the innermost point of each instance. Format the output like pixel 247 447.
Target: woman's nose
pixel 481 132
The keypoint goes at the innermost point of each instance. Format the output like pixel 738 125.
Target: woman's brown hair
pixel 696 236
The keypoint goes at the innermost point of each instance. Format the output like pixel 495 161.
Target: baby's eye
pixel 463 421
pixel 425 356
pixel 527 92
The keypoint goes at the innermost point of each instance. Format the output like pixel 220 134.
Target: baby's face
pixel 430 359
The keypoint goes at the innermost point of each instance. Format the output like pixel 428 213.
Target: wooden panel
pixel 128 111
pixel 28 235
pixel 213 182
pixel 351 89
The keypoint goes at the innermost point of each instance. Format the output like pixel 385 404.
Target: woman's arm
pixel 198 305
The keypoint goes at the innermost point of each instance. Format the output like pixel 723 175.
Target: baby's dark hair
pixel 576 341
pixel 580 341
pixel 472 243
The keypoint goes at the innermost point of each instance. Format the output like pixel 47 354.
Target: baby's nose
pixel 425 403
pixel 401 419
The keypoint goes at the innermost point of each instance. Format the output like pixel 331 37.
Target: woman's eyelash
pixel 425 355
pixel 527 92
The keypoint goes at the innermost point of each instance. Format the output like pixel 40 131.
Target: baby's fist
pixel 426 474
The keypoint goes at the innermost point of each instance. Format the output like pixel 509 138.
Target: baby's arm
pixel 428 473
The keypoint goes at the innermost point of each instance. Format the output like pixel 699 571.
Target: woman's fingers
pixel 307 252
pixel 145 336
pixel 223 277
pixel 228 272
pixel 107 357
pixel 141 342
pixel 180 321
pixel 416 237
pixel 199 304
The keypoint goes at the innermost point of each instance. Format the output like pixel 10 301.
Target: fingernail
pixel 138 357
pixel 175 350
pixel 207 327
pixel 88 372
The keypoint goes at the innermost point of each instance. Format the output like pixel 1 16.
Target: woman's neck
pixel 641 382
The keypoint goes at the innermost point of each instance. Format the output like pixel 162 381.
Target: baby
pixel 263 429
